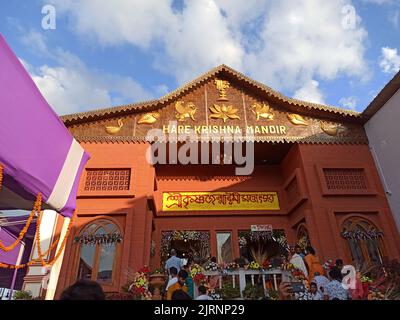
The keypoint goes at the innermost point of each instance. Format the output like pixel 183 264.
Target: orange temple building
pixel 314 181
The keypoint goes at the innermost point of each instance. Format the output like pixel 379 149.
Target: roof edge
pixel 382 98
pixel 151 104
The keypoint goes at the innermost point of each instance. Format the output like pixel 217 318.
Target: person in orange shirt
pixel 312 263
pixel 180 285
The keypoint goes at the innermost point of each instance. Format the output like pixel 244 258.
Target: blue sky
pixel 105 53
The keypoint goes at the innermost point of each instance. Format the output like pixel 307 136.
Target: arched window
pixel 364 241
pixel 99 243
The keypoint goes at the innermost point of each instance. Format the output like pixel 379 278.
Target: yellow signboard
pixel 220 201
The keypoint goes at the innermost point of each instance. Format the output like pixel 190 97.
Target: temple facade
pixel 161 177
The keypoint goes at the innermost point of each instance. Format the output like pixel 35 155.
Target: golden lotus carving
pixel 262 111
pixel 297 119
pixel 114 129
pixel 149 118
pixel 222 86
pixel 330 129
pixel 185 111
pixel 223 112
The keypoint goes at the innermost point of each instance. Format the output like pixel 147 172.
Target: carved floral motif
pixel 224 112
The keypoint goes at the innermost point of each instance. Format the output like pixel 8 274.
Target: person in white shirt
pixel 297 261
pixel 203 294
pixel 321 282
pixel 173 261
pixel 174 277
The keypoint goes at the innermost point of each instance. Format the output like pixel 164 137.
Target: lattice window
pixel 345 179
pixel 107 179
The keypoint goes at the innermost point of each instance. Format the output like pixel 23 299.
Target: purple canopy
pixel 37 151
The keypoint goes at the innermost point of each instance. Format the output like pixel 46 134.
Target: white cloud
pixel 348 103
pixel 390 60
pixel 310 92
pixel 281 43
pixel 70 86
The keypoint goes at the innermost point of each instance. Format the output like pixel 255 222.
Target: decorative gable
pixel 222 102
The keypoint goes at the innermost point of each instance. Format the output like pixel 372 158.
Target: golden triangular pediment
pixel 222 101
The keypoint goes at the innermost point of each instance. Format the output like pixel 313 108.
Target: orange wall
pixel 323 214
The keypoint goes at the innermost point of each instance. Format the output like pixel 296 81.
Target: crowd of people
pixel 180 285
pixel 318 283
pixel 321 284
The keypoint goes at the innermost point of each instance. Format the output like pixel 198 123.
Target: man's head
pixel 214 259
pixel 297 249
pixel 173 252
pixel 311 250
pixel 83 290
pixel 313 287
pixel 335 274
pixel 339 263
pixel 173 272
pixel 182 276
pixel 202 290
pixel 316 274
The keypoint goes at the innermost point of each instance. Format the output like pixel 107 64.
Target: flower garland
pixel 329 265
pixel 37 239
pixel 274 235
pixel 260 235
pixel 168 236
pixel 242 242
pixel 36 209
pixel 365 279
pixel 362 235
pixel 232 266
pixel 105 239
pixel 283 242
pixel 287 266
pixel 214 295
pixel 375 295
pixel 298 275
pixel 145 270
pixel 212 266
pixel 140 285
pixel 266 265
pixel 52 247
pixel 1 175
pixel 197 273
pixel 253 266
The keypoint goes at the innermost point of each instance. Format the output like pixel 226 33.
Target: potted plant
pixel 253 292
pixel 23 295
pixel 228 292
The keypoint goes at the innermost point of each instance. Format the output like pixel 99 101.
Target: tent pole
pixel 21 252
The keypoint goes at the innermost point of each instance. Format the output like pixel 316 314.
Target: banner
pixel 220 201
